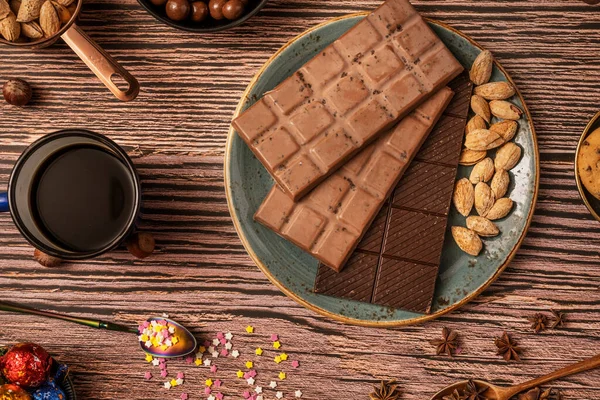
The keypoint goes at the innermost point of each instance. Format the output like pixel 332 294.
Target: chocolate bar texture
pixel 337 103
pixel 330 221
pixel 396 263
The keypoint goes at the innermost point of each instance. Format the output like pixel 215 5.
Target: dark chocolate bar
pixel 397 261
pixel 332 219
pixel 348 94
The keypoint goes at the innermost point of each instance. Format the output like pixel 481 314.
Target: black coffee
pixel 83 197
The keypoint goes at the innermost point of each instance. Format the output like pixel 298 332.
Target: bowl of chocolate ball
pixel 203 15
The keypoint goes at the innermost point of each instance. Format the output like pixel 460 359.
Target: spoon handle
pixel 4 306
pixel 581 366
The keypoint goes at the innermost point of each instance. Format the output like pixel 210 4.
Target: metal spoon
pixel 501 393
pixel 187 343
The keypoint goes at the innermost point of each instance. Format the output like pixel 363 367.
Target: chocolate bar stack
pixel 337 137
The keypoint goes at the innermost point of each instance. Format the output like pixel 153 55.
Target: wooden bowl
pixel 210 25
pixel 592 203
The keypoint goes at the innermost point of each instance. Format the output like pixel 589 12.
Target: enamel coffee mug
pixel 73 194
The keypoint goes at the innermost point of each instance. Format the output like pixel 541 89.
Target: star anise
pixel 508 348
pixel 447 344
pixel 533 394
pixel 386 391
pixel 475 392
pixel 538 394
pixel 559 319
pixel 454 396
pixel 539 322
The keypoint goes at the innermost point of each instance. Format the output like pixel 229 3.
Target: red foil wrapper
pixel 27 365
pixel 13 392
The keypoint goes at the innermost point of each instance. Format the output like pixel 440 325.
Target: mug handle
pixel 4 202
pixel 101 63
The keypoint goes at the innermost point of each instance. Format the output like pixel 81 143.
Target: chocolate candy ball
pixel 233 9
pixel 27 365
pixel 49 391
pixel 216 9
pixel 178 10
pixel 158 2
pixel 199 11
pixel 13 392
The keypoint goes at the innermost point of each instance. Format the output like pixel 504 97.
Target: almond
pixel 482 226
pixel 49 20
pixel 64 15
pixel 506 129
pixel 507 156
pixel 29 10
pixel 471 157
pixel 10 29
pixel 505 110
pixel 499 184
pixel 475 123
pixel 464 197
pixel 4 9
pixel 495 91
pixel 483 171
pixel 481 70
pixel 500 209
pixel 481 108
pixel 483 139
pixel 32 30
pixel 15 5
pixel 467 240
pixel 484 199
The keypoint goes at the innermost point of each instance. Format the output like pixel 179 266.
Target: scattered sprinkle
pixel 283 357
pixel 201 350
pixel 228 336
pixel 213 369
pixel 276 344
pixel 184 396
pixel 260 397
pixel 179 381
pixel 224 353
pixel 167 385
pixel 217 383
pixel 164 373
pixel 274 337
pixel 211 397
pixel 207 362
pixel 240 374
pixel 189 359
pixel 249 364
pixel 220 335
pixel 216 342
pixel 250 381
pixel 149 358
pixel 258 389
pixel 207 390
pixel 298 393
pixel 295 363
pixel 215 354
pixel 228 346
pixel 219 396
pixel 282 375
pixel 180 375
pixel 148 375
pixel 198 361
pixel 208 382
pixel 250 329
pixel 259 351
pixel 273 384
pixel 211 349
pixel 277 359
pixel 235 354
pixel 246 394
pixel 173 382
pixel 279 395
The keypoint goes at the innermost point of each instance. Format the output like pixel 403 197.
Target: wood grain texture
pixel 201 275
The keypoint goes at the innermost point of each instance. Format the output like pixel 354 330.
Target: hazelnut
pixel 141 244
pixel 17 92
pixel 233 9
pixel 178 10
pixel 46 260
pixel 199 11
pixel 216 9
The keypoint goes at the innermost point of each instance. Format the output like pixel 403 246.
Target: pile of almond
pixel 33 20
pixel 492 127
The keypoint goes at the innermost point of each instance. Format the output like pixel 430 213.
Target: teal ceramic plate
pixel 461 277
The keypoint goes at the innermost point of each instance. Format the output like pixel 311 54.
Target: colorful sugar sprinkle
pixel 235 354
pixel 213 369
pixel 250 381
pixel 277 359
pixel 295 363
pixel 258 389
pixel 217 383
pixel 249 364
pixel 298 393
pixel 207 390
pixel 274 337
pixel 282 375
pixel 148 375
pixel 158 334
pixel 208 382
pixel 240 374
pixel 283 357
pixel 219 396
pixel 180 375
pixel 184 396
pixel 250 329
pixel 258 351
pixel 276 344
pixel 279 395
pixel 228 336
pixel 273 384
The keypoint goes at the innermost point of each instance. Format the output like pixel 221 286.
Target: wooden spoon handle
pixel 581 366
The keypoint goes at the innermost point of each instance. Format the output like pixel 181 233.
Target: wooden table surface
pixel 201 275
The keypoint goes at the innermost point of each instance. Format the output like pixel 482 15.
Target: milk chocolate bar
pixel 330 221
pixel 396 263
pixel 348 94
